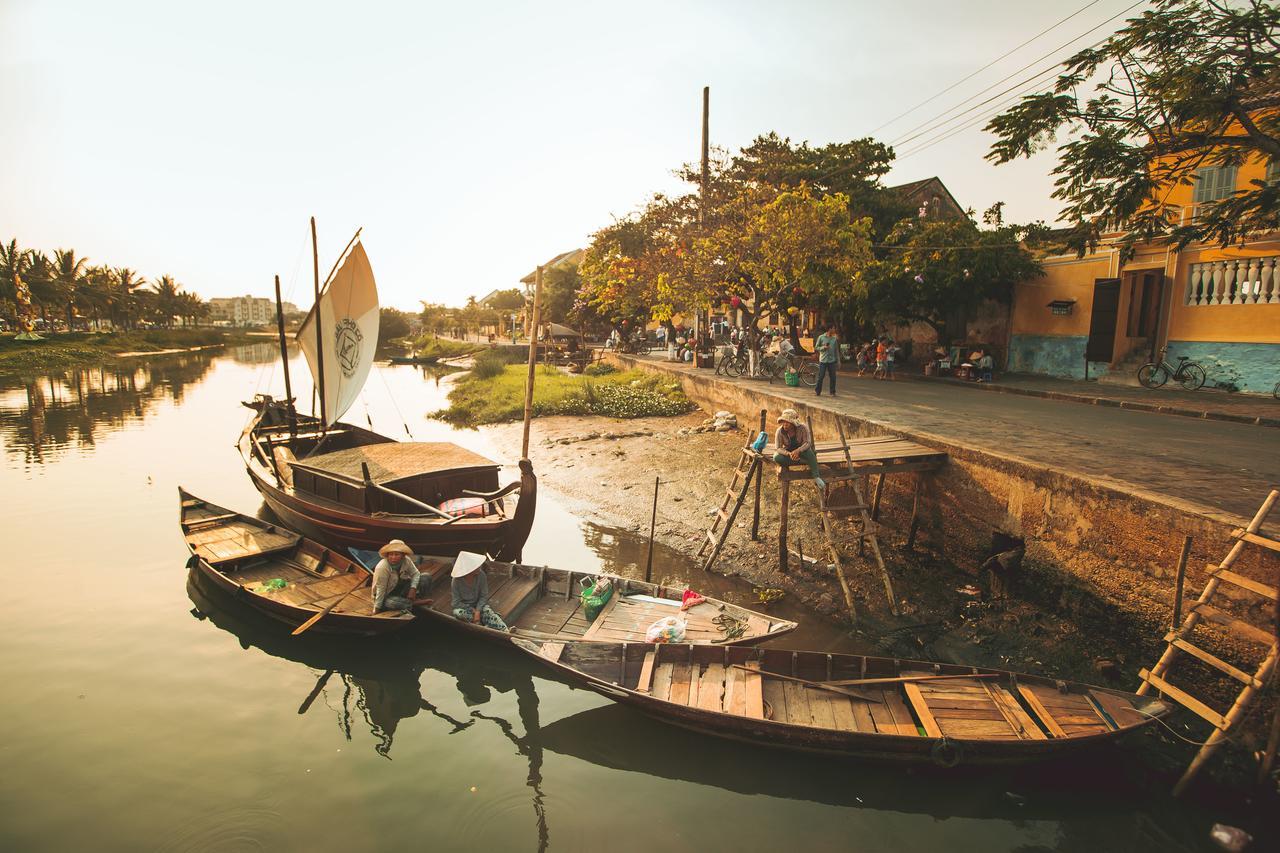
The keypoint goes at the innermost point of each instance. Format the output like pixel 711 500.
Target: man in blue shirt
pixel 828 347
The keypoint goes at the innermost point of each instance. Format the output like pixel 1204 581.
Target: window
pixel 1214 182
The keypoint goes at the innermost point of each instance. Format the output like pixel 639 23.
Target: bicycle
pixel 780 365
pixel 1156 373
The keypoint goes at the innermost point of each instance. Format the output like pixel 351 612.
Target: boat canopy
pixel 392 461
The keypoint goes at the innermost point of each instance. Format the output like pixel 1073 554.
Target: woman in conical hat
pixel 471 592
pixel 397 583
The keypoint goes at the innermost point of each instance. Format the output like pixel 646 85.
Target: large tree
pixel 938 271
pixel 1186 85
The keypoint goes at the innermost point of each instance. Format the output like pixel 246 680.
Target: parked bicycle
pixel 1156 373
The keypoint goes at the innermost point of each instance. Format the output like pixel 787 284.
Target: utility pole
pixel 702 188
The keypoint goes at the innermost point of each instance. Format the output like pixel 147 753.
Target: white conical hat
pixel 466 563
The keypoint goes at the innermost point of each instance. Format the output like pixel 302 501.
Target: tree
pixel 130 295
pixel 435 318
pixel 506 300
pixel 165 301
pixel 1188 84
pixel 560 287
pixel 940 270
pixel 67 280
pixel 392 324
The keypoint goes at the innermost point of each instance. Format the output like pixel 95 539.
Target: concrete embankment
pixel 1097 549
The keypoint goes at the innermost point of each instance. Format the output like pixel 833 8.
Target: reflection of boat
pixel 280 573
pixel 545 601
pixel 346 485
pixel 854 705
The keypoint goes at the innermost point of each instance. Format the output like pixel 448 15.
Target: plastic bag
pixel 690 599
pixel 274 584
pixel 668 629
pixel 595 597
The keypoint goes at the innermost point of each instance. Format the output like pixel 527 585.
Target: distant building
pixel 571 258
pixel 930 198
pixel 246 310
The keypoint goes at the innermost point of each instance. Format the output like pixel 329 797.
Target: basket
pixel 791 378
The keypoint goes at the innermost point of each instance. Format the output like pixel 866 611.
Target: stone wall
pixel 1096 550
pixel 1052 355
pixel 1253 367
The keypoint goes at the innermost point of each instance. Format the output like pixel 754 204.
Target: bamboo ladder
pixel 1179 641
pixel 866 530
pixel 750 467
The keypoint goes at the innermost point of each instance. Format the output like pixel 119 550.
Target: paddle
pixel 817 685
pixel 314 619
pixel 910 679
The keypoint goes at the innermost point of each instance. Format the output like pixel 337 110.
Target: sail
pixel 347 315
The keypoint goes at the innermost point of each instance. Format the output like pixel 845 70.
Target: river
pixel 146 711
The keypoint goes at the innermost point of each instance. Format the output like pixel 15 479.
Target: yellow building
pixel 1219 306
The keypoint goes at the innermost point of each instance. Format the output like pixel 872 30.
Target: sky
pixel 470 141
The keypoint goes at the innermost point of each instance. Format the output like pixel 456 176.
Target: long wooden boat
pixel 545 602
pixel 854 705
pixel 244 555
pixel 413 359
pixel 351 487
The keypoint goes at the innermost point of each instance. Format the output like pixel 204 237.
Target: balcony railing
pixel 1242 281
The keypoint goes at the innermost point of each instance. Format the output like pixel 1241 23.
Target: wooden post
pixel 1269 754
pixel 533 360
pixel 1181 579
pixel 915 512
pixel 315 266
pixel 653 522
pixel 875 502
pixel 784 489
pixel 284 359
pixel 755 514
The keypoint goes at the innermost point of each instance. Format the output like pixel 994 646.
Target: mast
pixel 315 266
pixel 533 360
pixel 284 359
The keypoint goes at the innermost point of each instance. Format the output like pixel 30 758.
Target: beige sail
pixel 347 315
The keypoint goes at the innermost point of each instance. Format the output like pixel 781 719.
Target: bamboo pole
pixel 653 523
pixel 784 489
pixel 755 514
pixel 284 359
pixel 315 266
pixel 1180 582
pixel 915 512
pixel 533 361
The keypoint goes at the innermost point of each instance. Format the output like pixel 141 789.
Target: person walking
pixel 828 346
pixel 882 359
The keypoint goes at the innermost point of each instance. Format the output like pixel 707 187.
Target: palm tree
pixel 128 284
pixel 165 302
pixel 68 280
pixel 39 280
pixel 14 262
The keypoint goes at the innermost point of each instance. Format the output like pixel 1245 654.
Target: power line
pixel 912 133
pixel 1003 56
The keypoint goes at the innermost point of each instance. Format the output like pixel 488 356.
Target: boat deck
pixel 218 538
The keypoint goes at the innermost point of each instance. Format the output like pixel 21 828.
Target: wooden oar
pixel 314 619
pixel 908 679
pixel 817 685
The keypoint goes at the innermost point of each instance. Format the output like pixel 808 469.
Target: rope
pixel 395 405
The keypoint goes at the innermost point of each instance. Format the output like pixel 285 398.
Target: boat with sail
pixel 352 487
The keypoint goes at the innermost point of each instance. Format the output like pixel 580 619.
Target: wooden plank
pixel 662 681
pixel 862 717
pixel 922 709
pixel 733 700
pixel 984 729
pixel 711 688
pixel 772 692
pixel 1184 699
pixel 680 684
pixel 1119 708
pixel 904 724
pixel 751 688
pixel 820 712
pixel 842 713
pixel 552 651
pixel 989 713
pixel 1243 630
pixel 1017 717
pixel 695 686
pixel 1244 582
pixel 797 704
pixel 646 672
pixel 602 616
pixel 1042 714
pixel 1256 539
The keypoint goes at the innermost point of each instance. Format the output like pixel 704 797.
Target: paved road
pixel 1221 465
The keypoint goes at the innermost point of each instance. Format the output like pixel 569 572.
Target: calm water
pixel 145 711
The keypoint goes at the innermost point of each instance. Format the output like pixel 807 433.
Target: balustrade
pixel 1238 281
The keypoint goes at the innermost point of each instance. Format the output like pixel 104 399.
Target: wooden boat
pixel 241 555
pixel 413 359
pixel 349 486
pixel 854 705
pixel 544 602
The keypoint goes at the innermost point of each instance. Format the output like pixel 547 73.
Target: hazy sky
pixel 471 141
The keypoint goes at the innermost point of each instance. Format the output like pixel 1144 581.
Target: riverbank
pixel 60 351
pixel 492 392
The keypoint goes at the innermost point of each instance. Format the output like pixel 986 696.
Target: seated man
pixel 794 444
pixel 471 592
pixel 397 583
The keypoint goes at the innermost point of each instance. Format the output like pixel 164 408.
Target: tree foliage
pixel 1188 84
pixel 506 300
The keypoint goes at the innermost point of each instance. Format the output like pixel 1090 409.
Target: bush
pixel 601 369
pixel 490 363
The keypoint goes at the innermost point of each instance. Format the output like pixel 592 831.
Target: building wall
pixel 1053 344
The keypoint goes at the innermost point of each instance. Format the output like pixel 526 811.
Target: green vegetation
pixel 428 346
pixel 79 349
pixel 497 395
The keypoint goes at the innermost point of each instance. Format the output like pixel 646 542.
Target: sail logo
pixel 347 339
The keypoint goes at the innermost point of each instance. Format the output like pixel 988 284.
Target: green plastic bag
pixel 791 378
pixel 595 597
pixel 274 584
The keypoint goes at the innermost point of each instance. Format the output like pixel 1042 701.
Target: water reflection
pixel 41 418
pixel 379 681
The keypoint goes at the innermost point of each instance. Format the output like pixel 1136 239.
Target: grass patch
pixel 499 397
pixel 432 347
pixel 61 350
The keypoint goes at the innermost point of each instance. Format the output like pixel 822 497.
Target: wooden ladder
pixel 750 467
pixel 1179 641
pixel 866 529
